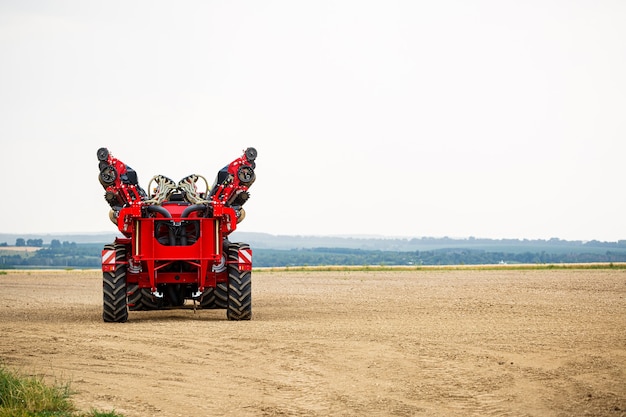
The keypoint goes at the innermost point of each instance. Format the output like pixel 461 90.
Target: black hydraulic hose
pixel 171 235
pixel 160 210
pixel 166 214
pixel 185 214
pixel 191 209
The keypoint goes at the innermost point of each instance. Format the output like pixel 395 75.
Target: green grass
pixel 372 268
pixel 28 396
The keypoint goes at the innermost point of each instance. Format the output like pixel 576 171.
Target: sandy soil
pixel 420 343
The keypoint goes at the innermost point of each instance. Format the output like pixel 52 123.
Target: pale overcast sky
pixel 498 119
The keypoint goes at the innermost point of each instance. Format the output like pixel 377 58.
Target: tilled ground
pixel 373 343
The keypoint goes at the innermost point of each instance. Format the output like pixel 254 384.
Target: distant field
pixel 12 249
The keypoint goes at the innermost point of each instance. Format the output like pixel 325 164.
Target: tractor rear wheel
pixel 239 286
pixel 214 298
pixel 136 298
pixel 148 300
pixel 207 299
pixel 115 302
pixel 221 295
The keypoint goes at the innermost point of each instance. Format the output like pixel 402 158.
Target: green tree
pixel 35 242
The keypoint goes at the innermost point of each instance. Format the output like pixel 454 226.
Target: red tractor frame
pixel 175 250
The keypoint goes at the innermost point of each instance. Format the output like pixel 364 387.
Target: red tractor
pixel 175 250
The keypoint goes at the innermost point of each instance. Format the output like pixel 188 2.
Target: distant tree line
pixel 338 256
pixel 20 242
pixel 72 255
pixel 56 255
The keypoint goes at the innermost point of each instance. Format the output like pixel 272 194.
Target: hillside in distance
pixel 554 245
pixel 370 243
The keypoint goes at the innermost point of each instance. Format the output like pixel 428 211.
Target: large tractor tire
pixel 207 299
pixel 221 295
pixel 115 302
pixel 217 297
pixel 134 297
pixel 140 299
pixel 214 298
pixel 148 300
pixel 239 286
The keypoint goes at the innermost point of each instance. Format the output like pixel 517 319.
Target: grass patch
pixel 28 396
pixel 378 268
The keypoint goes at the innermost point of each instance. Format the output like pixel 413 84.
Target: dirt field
pixel 420 343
